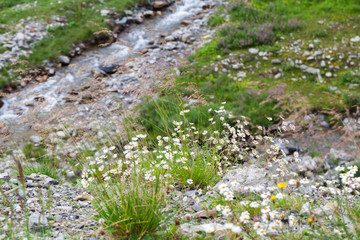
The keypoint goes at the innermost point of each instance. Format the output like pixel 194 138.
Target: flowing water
pixel 38 100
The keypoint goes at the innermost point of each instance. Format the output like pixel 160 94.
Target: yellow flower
pixel 310 220
pixel 272 198
pixel 282 185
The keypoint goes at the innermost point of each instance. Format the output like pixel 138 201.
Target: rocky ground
pixel 58 210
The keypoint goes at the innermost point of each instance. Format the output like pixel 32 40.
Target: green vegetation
pixel 265 89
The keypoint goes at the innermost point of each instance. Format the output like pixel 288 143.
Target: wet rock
pixel 108 68
pixel 122 22
pixel 50 71
pixel 169 38
pixel 138 19
pixel 64 60
pixel 186 22
pixel 159 4
pixel 38 222
pixel 149 14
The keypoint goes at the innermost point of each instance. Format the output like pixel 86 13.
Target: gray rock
pixel 64 60
pixel 196 208
pixel 4 176
pixel 324 124
pixel 186 37
pixel 138 19
pixel 108 68
pixel 276 61
pixel 305 208
pixel 205 214
pixel 60 134
pixel 38 222
pixel 247 176
pixel 36 139
pixel 277 76
pixel 149 14
pixel 170 38
pixel 323 64
pixel 253 50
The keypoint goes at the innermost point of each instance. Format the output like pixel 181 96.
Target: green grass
pixel 257 97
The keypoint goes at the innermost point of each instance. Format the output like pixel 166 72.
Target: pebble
pixel 253 50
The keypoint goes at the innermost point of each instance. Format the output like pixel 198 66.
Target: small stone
pixel 36 139
pixel 186 22
pixel 104 12
pixel 253 50
pixel 323 64
pixel 149 14
pixel 311 46
pixel 159 4
pixel 138 19
pixel 196 208
pixel 324 124
pixel 64 60
pixel 60 134
pixel 205 214
pixel 38 222
pixel 108 68
pixel 305 208
pixel 64 208
pixel 275 61
pixel 277 76
pixel 328 74
pixel 355 39
pixel 4 176
pixel 186 37
pixel 82 197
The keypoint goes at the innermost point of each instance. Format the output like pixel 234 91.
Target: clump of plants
pixel 252 27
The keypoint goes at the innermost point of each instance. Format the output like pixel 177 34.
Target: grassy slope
pixel 60 40
pixel 250 97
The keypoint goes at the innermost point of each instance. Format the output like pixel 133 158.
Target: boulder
pixel 159 4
